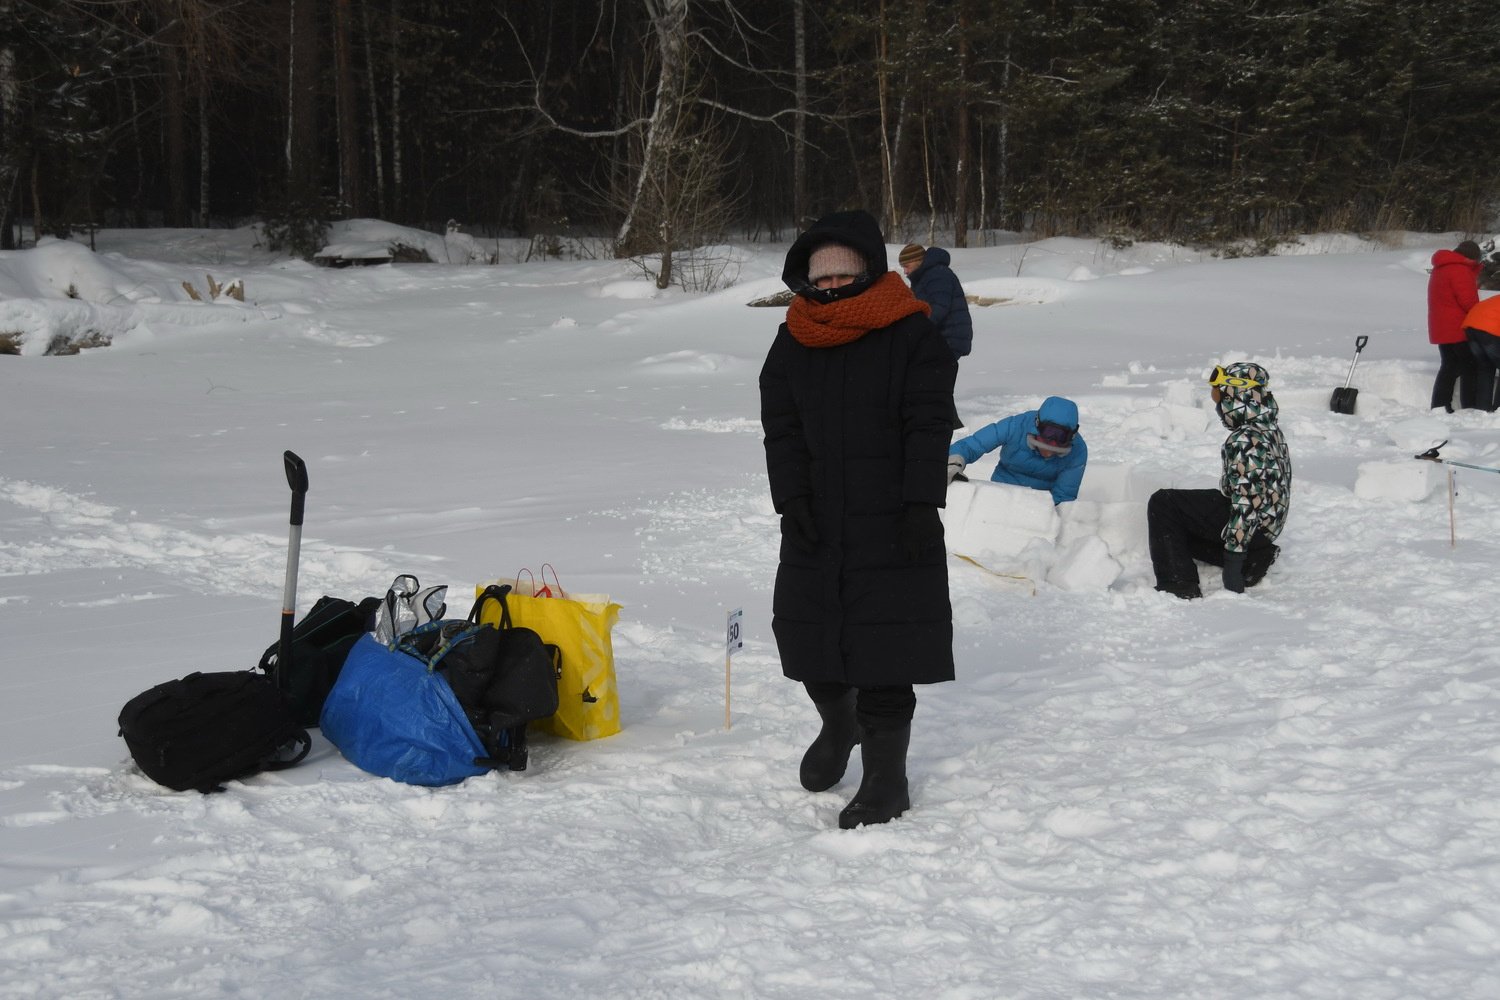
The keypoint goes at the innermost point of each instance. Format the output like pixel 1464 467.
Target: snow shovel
pixel 1344 397
pixel 296 478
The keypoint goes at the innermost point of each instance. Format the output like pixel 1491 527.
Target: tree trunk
pixel 961 166
pixel 174 111
pixel 664 275
pixel 351 191
pixel 379 157
pixel 887 178
pixel 1002 150
pixel 302 105
pixel 204 149
pixel 36 198
pixel 669 25
pixel 927 182
pixel 138 196
pixel 979 171
pixel 397 198
pixel 800 209
pixel 10 151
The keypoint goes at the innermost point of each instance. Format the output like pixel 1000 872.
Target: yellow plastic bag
pixel 579 625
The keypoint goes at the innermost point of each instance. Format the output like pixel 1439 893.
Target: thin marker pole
pixel 1452 525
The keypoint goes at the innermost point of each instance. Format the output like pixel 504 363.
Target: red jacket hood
pixel 1445 257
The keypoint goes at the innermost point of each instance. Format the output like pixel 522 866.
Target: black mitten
pixel 797 524
pixel 921 528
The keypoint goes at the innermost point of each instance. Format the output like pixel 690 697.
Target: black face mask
pixel 823 296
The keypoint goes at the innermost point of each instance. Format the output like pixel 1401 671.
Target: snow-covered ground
pixel 1286 793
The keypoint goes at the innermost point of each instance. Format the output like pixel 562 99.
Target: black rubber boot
pixel 828 758
pixel 1186 593
pixel 882 792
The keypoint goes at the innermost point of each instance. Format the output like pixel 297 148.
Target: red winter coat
pixel 1452 291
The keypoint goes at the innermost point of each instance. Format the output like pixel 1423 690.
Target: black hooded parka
pixel 861 429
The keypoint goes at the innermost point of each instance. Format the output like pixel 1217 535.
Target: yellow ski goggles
pixel 1218 377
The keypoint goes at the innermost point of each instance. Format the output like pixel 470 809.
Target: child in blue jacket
pixel 1040 448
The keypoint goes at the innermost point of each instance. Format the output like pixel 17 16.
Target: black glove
pixel 1234 572
pixel 797 525
pixel 920 529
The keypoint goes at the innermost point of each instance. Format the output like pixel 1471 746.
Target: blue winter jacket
pixel 1022 465
pixel 935 284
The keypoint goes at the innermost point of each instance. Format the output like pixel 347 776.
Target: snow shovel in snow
pixel 296 478
pixel 1344 397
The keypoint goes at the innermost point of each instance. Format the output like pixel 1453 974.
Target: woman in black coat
pixel 856 401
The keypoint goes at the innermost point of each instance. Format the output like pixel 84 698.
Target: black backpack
pixel 320 643
pixel 504 677
pixel 206 729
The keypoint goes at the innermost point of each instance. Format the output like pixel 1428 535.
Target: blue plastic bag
pixel 393 717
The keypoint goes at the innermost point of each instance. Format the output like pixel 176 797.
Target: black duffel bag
pixel 205 729
pixel 503 677
pixel 320 643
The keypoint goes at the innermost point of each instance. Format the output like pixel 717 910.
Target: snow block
pixel 1085 565
pixel 994 523
pixel 1170 422
pixel 1410 480
pixel 1121 526
pixel 1407 385
pixel 1013 531
pixel 1419 433
pixel 1115 481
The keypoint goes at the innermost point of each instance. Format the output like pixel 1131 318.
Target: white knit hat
pixel 835 258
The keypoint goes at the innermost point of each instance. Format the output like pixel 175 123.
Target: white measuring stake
pixel 734 641
pixel 1452 525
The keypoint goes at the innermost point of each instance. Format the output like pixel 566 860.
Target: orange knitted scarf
pixel 814 324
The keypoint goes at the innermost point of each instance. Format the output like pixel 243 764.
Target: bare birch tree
pixel 651 119
pixel 669 29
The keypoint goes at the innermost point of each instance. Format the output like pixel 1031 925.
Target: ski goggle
pixel 1057 435
pixel 1219 378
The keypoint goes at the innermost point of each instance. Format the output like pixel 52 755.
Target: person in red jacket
pixel 1452 290
pixel 1482 326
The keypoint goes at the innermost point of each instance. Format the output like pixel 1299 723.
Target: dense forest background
pixel 671 123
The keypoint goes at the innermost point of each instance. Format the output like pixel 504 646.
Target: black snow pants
pixel 1458 363
pixel 1184 525
pixel 886 707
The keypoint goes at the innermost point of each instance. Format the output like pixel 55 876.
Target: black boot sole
pixel 857 814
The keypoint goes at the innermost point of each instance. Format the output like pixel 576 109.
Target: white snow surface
pixel 1287 793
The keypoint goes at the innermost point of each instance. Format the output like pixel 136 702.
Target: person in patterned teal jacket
pixel 1235 526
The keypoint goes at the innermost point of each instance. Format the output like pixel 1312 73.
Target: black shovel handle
pixel 1359 345
pixel 296 478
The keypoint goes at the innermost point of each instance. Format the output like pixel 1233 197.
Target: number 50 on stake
pixel 734 641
